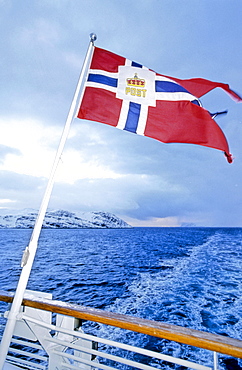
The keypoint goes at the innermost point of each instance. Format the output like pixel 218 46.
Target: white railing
pixel 64 345
pixel 82 345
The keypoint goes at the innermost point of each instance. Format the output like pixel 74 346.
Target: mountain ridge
pixel 61 219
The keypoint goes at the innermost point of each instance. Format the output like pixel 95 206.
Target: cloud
pixel 6 150
pixel 31 145
pixel 40 31
pixel 20 191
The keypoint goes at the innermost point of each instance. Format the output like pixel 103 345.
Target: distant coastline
pixel 60 219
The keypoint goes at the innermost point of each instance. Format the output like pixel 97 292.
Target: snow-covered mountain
pixel 25 219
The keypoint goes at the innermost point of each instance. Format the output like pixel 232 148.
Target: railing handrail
pixel 192 337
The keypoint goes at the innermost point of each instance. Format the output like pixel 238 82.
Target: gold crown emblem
pixel 135 81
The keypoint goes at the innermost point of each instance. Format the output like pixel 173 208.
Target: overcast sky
pixel 145 182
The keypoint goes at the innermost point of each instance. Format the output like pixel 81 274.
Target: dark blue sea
pixel 184 276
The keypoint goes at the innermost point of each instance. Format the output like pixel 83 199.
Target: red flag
pixel 129 96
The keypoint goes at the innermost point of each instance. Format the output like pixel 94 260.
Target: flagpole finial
pixel 93 37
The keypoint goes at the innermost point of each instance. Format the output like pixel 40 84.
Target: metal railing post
pixel 215 360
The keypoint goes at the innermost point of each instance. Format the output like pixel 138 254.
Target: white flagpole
pixel 30 251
